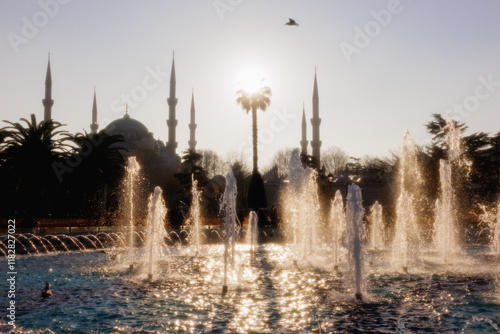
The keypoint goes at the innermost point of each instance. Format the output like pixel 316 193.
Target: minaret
pixel 47 101
pixel 172 122
pixel 94 125
pixel 192 126
pixel 315 122
pixel 303 142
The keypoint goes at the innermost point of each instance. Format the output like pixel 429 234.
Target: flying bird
pixel 292 22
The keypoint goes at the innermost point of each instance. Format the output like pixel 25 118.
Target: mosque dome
pixel 128 127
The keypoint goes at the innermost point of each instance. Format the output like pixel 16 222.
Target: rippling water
pixel 94 293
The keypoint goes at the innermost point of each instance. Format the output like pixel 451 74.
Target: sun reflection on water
pixel 267 294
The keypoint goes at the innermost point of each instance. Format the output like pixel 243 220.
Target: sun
pixel 250 80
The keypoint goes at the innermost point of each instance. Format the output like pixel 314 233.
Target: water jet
pixel 354 229
pixel 228 208
pixel 132 171
pixel 155 239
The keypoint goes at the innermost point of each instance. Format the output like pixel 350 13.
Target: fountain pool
pixel 93 293
pixel 323 279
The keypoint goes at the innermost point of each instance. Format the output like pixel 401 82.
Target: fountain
pixel 156 234
pixel 354 230
pixel 253 230
pixel 405 230
pixel 301 208
pixel 337 227
pixel 377 236
pixel 132 173
pixel 406 233
pixel 291 204
pixel 228 207
pixel 311 208
pixel 445 227
pixel 272 296
pixel 30 243
pixel 195 215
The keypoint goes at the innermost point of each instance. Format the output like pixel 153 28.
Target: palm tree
pixel 259 99
pixel 99 171
pixel 101 155
pixel 27 152
pixel 191 165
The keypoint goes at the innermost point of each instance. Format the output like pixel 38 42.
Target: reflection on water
pixel 267 294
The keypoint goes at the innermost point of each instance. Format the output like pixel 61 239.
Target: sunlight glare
pixel 250 80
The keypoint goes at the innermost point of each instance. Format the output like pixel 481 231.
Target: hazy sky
pixel 382 66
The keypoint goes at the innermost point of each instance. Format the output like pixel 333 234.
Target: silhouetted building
pixel 316 122
pixel 192 126
pixel 303 142
pixel 47 101
pixel 94 126
pixel 136 134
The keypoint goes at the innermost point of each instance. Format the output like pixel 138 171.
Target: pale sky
pixel 415 58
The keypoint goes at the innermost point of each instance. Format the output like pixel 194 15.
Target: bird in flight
pixel 292 22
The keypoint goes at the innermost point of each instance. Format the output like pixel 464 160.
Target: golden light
pixel 250 80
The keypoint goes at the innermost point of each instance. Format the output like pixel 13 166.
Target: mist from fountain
pixel 377 234
pixel 228 207
pixel 195 215
pixel 445 225
pixel 491 219
pixel 354 231
pixel 406 232
pixel 156 233
pixel 132 173
pixel 337 227
pixel 495 232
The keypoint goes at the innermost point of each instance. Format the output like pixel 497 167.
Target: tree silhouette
pixel 259 99
pixel 471 174
pixel 99 169
pixel 27 151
